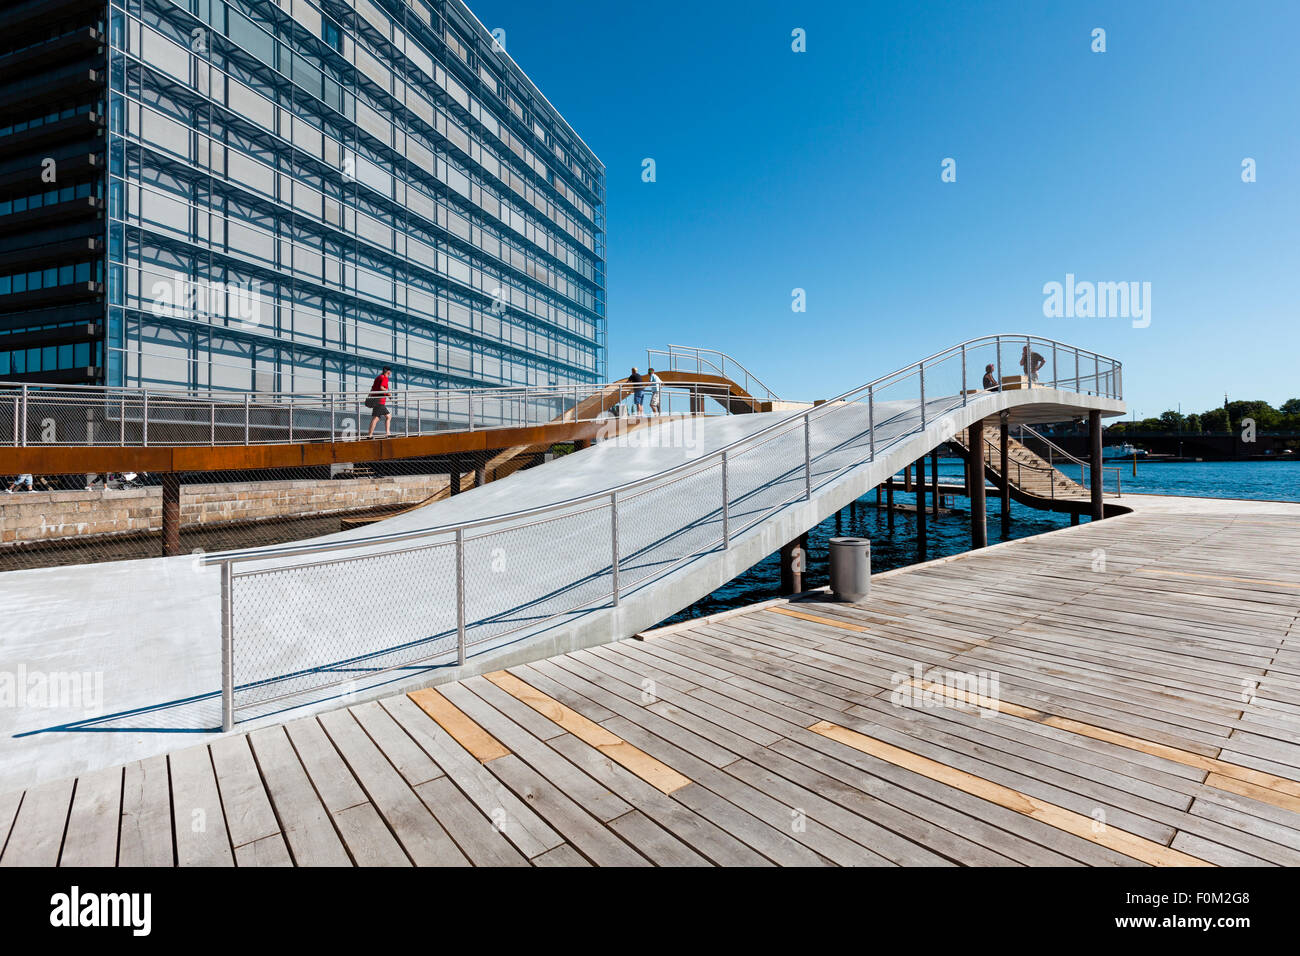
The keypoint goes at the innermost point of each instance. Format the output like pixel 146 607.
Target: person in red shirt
pixel 378 402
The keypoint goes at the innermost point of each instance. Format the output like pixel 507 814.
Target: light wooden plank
pixel 654 772
pixel 1076 823
pixel 817 618
pixel 468 734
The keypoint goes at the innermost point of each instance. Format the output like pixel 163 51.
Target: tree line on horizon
pixel 1226 418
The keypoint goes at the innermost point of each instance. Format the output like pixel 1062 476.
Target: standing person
pixel 19 482
pixel 656 383
pixel 638 393
pixel 990 380
pixel 377 402
pixel 1031 362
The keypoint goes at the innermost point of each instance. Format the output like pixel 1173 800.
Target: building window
pixel 332 36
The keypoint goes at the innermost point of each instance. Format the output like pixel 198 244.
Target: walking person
pixel 656 384
pixel 377 402
pixel 638 393
pixel 19 482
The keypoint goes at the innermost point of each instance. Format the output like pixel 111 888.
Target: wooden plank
pixel 308 830
pixel 91 838
pixel 817 618
pixel 367 837
pixel 655 842
pixel 477 837
pixel 199 825
pixel 524 828
pixel 659 775
pixel 9 804
pixel 415 827
pixel 1256 792
pixel 563 855
pixel 333 781
pixel 37 833
pixel 598 844
pixel 249 815
pixel 402 752
pixel 1140 849
pixel 468 734
pixel 146 826
pixel 268 851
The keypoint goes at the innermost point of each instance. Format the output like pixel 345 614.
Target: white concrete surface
pixel 149 630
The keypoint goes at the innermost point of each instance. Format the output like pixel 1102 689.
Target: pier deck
pixel 1131 696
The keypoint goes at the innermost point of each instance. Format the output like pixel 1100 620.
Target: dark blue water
pixel 949 533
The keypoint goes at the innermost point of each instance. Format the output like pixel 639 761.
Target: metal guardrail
pixel 690 358
pixel 610 539
pixel 82 416
pixel 1055 451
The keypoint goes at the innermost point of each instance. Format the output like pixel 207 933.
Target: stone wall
pixel 53 515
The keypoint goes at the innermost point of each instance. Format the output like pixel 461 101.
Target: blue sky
pixel 821 170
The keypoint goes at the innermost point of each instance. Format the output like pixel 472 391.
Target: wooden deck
pixel 1146 710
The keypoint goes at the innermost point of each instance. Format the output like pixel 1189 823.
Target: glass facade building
pixel 286 195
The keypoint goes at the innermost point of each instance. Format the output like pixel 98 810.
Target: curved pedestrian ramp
pixel 603 543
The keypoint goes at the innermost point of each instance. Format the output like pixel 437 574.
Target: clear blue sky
pixel 821 170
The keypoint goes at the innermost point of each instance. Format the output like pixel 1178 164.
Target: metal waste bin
pixel 850 568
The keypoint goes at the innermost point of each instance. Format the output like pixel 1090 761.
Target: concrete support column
pixel 1094 447
pixel 1004 440
pixel 171 514
pixel 921 535
pixel 979 532
pixel 794 561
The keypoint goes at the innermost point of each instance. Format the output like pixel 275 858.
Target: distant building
pixel 286 195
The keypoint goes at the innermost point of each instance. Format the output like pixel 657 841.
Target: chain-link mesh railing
pixel 499 579
pixel 91 416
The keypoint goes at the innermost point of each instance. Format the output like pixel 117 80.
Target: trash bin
pixel 850 569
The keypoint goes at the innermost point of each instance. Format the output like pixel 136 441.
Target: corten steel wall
pixel 302 191
pixel 64 515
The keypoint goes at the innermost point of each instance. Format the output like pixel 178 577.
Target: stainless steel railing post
pixel 613 538
pixel 332 421
pixel 20 416
pixel 964 397
pixel 460 596
pixel 726 523
pixel 922 371
pixel 871 420
pixel 144 419
pixel 807 457
pixel 227 649
pixel 246 429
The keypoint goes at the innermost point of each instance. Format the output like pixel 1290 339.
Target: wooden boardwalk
pixel 1121 693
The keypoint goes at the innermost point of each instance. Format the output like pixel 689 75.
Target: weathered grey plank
pixel 199 824
pixel 37 833
pixel 308 829
pixel 91 838
pixel 146 828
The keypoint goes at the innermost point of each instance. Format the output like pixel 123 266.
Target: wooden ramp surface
pixel 1122 693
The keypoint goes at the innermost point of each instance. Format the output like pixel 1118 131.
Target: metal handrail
pixel 443 409
pixel 827 407
pixel 753 386
pixel 611 497
pixel 1048 466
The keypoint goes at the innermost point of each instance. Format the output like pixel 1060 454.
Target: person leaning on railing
pixel 990 380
